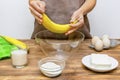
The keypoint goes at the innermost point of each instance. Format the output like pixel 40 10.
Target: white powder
pixel 51 69
pixel 50 65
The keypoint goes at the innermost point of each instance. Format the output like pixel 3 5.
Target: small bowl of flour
pixel 51 66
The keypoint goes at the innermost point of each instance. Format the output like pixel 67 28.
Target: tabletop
pixel 74 69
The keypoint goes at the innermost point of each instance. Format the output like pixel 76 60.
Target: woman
pixel 62 12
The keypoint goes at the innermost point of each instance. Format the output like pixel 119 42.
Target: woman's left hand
pixel 79 17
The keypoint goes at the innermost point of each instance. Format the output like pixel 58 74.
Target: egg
pixel 94 39
pixel 106 42
pixel 105 36
pixel 98 45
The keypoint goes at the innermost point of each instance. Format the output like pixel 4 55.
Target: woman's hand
pixel 37 7
pixel 77 17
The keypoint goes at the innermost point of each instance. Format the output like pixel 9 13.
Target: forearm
pixel 87 6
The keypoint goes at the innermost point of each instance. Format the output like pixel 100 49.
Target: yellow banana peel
pixel 15 42
pixel 53 27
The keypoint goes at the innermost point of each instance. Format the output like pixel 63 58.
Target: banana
pixel 15 42
pixel 53 27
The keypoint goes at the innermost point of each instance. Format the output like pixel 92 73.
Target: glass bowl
pixel 58 45
pixel 51 66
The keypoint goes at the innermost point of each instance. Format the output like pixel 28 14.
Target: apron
pixel 60 11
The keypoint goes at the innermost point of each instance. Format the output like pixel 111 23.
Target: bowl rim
pixel 53 59
pixel 83 36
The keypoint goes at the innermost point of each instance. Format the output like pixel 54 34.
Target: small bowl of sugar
pixel 51 66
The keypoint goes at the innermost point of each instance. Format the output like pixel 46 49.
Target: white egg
pixel 106 42
pixel 99 45
pixel 105 36
pixel 94 39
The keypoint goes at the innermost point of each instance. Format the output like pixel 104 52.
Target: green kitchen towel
pixel 3 41
pixel 6 48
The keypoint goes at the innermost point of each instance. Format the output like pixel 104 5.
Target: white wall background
pixel 16 20
pixel 105 18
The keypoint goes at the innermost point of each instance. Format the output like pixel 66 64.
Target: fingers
pixel 38 6
pixel 37 16
pixel 42 6
pixel 76 26
pixel 35 13
pixel 38 20
pixel 71 31
pixel 80 21
pixel 73 18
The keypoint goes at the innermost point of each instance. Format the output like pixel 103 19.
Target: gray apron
pixel 60 11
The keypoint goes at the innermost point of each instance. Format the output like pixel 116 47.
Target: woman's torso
pixel 60 11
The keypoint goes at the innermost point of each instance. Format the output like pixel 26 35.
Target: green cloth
pixel 6 48
pixel 3 41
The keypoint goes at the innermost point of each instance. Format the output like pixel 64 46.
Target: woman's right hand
pixel 37 7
